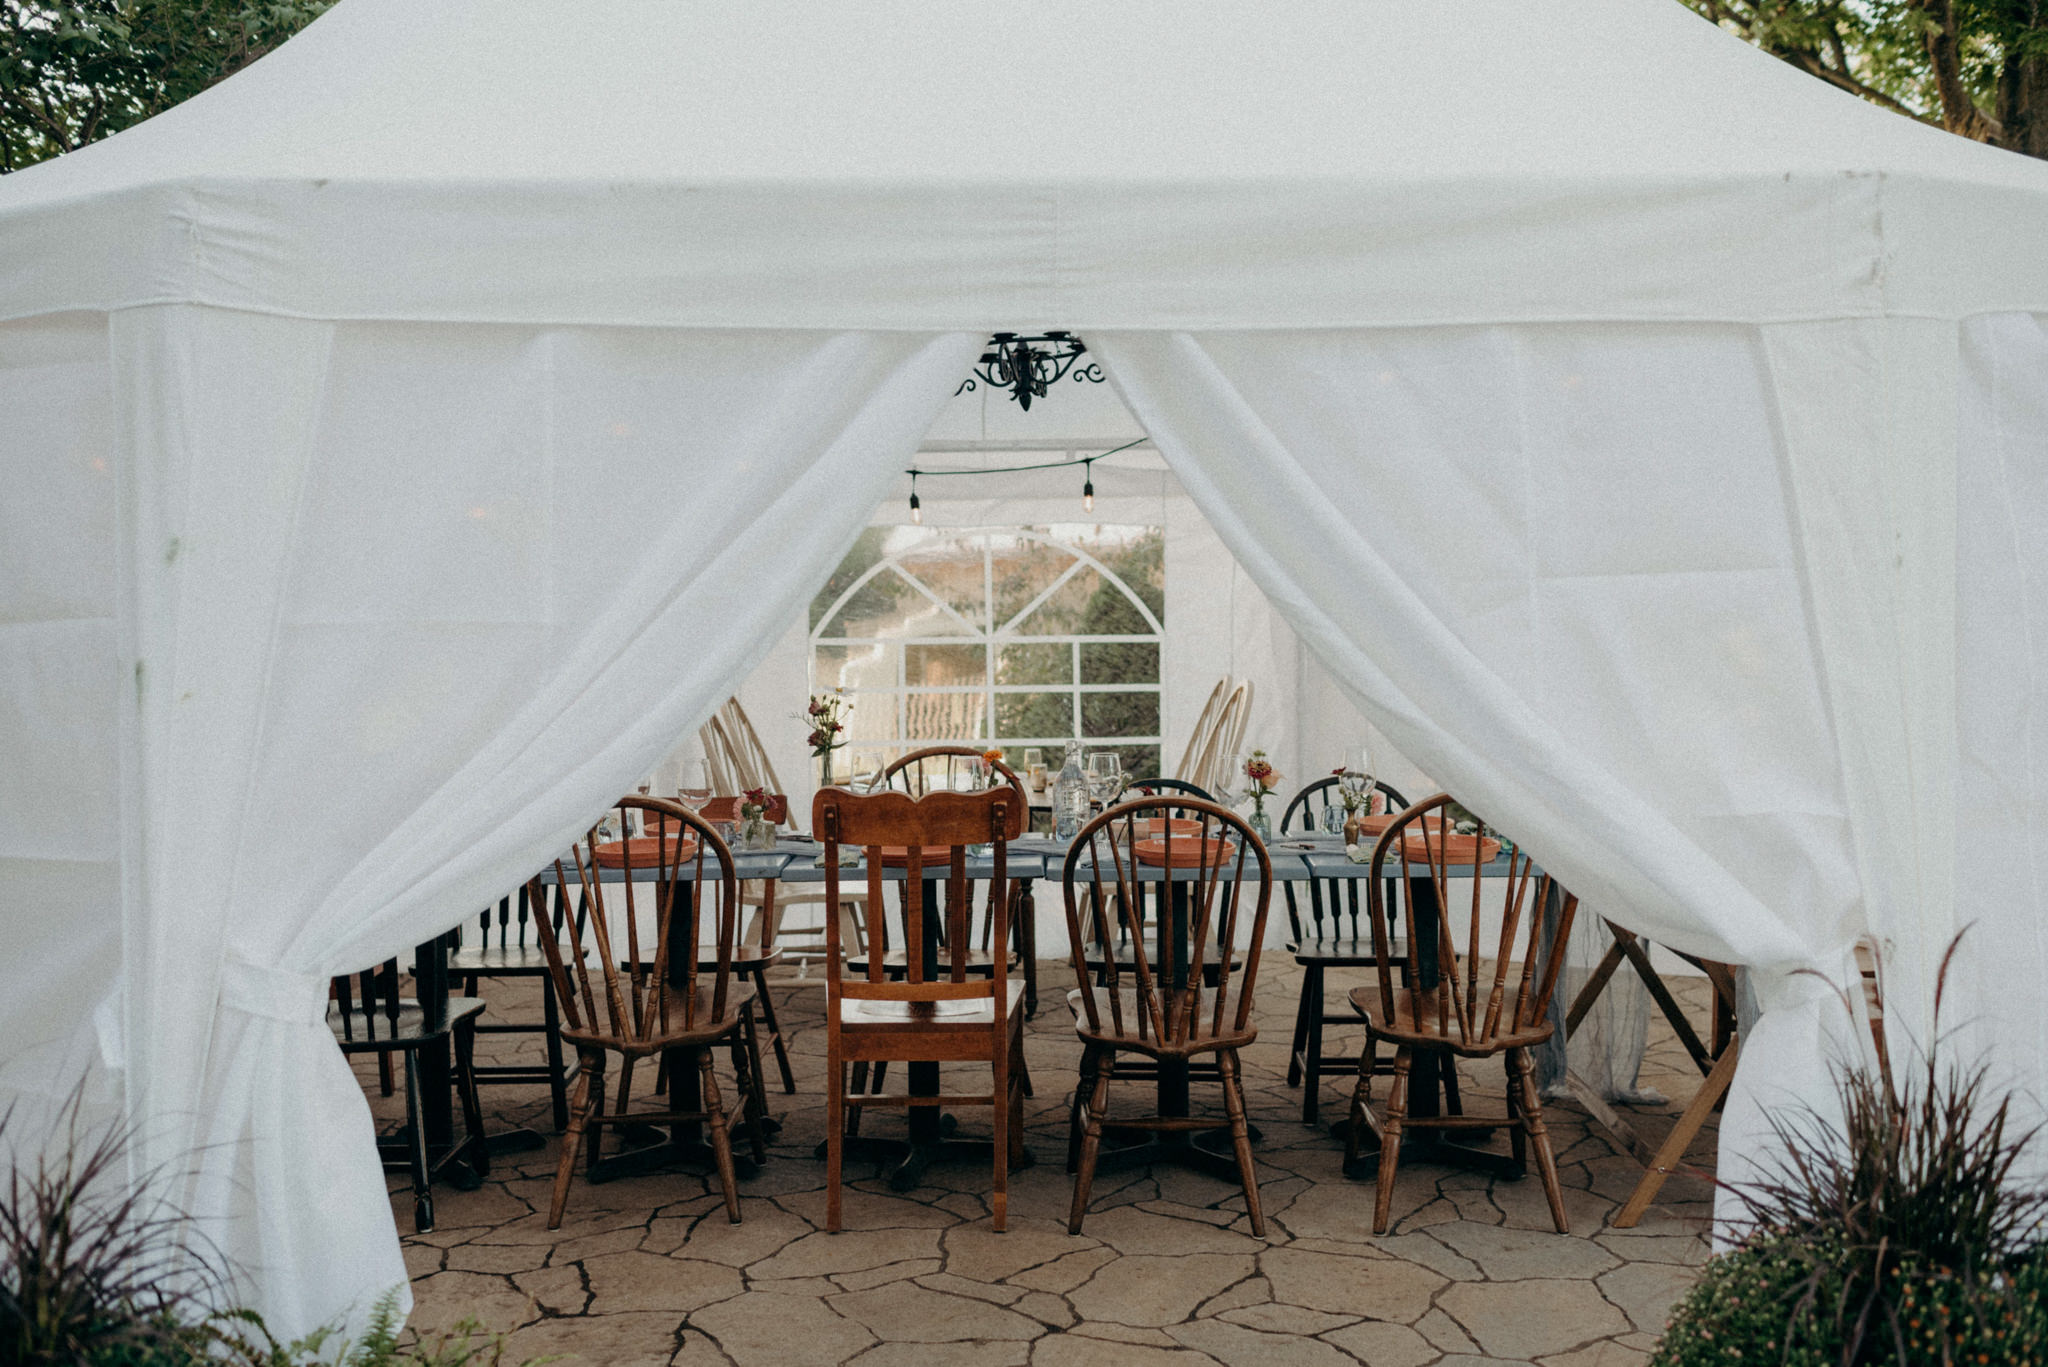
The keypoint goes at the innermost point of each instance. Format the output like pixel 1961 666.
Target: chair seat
pixel 708 1028
pixel 506 961
pixel 860 1015
pixel 1342 951
pixel 1365 1001
pixel 1199 1041
pixel 373 1031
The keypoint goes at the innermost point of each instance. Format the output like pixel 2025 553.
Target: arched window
pixel 1020 636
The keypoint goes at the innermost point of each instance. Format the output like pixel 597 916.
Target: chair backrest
pixel 750 755
pixel 1334 910
pixel 511 927
pixel 1152 787
pixel 1198 739
pixel 908 828
pixel 1411 888
pixel 942 769
pixel 379 987
pixel 719 759
pixel 1214 860
pixel 1225 739
pixel 680 862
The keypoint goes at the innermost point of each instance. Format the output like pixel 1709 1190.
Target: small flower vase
pixel 756 831
pixel 825 770
pixel 1354 829
pixel 1261 824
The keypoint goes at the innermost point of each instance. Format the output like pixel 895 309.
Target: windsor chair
pixel 673 1004
pixel 1201 861
pixel 1456 1003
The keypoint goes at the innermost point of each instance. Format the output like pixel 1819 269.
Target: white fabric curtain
pixel 1561 568
pixel 396 608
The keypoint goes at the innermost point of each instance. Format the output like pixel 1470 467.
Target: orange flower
pixel 992 757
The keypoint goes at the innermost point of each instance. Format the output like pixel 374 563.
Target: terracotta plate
pixel 1452 849
pixel 645 851
pixel 1160 825
pixel 1186 854
pixel 935 856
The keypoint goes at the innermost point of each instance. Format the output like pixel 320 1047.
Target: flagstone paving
pixel 648 1270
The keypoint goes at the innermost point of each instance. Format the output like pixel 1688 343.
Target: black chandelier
pixel 1029 366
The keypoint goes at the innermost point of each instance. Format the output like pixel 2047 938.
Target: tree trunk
pixel 2023 91
pixel 1959 113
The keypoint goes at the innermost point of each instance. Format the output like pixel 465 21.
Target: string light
pixel 1087 464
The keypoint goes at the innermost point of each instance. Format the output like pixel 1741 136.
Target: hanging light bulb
pixel 1088 486
pixel 916 508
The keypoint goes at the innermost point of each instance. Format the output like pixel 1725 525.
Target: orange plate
pixel 1452 849
pixel 728 809
pixel 1159 825
pixel 645 850
pixel 898 856
pixel 1187 854
pixel 1377 825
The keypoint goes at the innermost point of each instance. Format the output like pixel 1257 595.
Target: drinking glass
pixel 1357 777
pixel 1333 818
pixel 696 786
pixel 1105 776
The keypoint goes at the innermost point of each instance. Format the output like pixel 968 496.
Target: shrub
pixel 1902 1237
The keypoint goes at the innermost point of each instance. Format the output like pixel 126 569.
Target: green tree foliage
pixel 73 71
pixel 1975 67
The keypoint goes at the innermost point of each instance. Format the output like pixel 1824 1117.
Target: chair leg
pixel 1361 1118
pixel 595 1062
pixel 1077 1115
pixel 1539 1137
pixel 1518 1139
pixel 1091 1140
pixel 999 1096
pixel 746 1068
pixel 721 1135
pixel 1313 987
pixel 775 1039
pixel 835 1136
pixel 475 1147
pixel 1240 1139
pixel 422 1194
pixel 385 1083
pixel 558 1073
pixel 1018 1091
pixel 1390 1139
pixel 1454 1104
pixel 1300 1029
pixel 858 1087
pixel 572 1139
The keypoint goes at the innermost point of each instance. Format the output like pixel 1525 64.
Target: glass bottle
pixel 1070 795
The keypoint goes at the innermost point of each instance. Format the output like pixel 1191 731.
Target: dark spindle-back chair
pixel 1337 933
pixel 506 944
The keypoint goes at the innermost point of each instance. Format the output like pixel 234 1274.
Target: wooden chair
pixel 1212 771
pixel 1166 1010
pixel 509 947
pixel 1337 934
pixel 1450 1006
pixel 1151 787
pixel 1198 739
pixel 673 1004
pixel 928 1016
pixel 383 1023
pixel 941 769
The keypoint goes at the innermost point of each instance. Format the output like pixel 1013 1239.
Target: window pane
pixel 1034 716
pixel 1140 761
pixel 854 667
pixel 889 605
pixel 1119 714
pixel 1022 568
pixel 1036 664
pixel 950 565
pixel 936 717
pixel 945 666
pixel 870 718
pixel 1106 662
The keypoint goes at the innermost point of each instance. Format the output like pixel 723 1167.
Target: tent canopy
pixel 1062 164
pixel 409 438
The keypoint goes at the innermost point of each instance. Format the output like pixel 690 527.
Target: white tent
pixel 407 439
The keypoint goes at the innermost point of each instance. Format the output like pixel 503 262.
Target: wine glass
pixel 695 789
pixel 1357 776
pixel 1105 776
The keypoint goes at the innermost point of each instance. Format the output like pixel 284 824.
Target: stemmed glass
pixel 1357 777
pixel 1106 776
pixel 695 789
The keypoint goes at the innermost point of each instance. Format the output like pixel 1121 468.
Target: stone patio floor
pixel 648 1270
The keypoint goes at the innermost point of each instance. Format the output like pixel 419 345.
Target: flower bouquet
pixel 826 715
